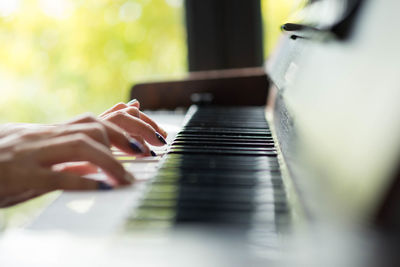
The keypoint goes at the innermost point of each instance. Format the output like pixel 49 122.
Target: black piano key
pixel 226 132
pixel 215 206
pixel 218 139
pixel 210 206
pixel 211 181
pixel 211 147
pixel 222 152
pixel 225 136
pixel 220 158
pixel 215 217
pixel 239 126
pixel 234 178
pixel 242 129
pixel 227 217
pixel 219 165
pixel 228 171
pixel 221 144
pixel 184 193
pixel 210 163
pixel 218 191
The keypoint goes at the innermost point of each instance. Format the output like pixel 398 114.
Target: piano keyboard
pixel 221 169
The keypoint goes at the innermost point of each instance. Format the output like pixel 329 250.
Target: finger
pixel 77 147
pixel 114 108
pixel 134 103
pixel 94 130
pixel 116 136
pixel 123 142
pixel 131 111
pixel 80 168
pixel 6 143
pixel 136 127
pixel 147 119
pixel 50 180
pixel 145 146
pixel 139 142
pixel 134 111
pixel 120 106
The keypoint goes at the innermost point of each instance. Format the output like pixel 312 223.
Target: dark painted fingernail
pixel 136 146
pixel 153 153
pixel 102 186
pixel 162 140
pixel 132 101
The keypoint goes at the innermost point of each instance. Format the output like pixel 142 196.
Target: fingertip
pixel 163 133
pixel 136 147
pixel 134 102
pixel 103 186
pixel 161 138
pixel 65 181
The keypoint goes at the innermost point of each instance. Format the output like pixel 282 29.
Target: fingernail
pixel 153 153
pixel 129 177
pixel 136 146
pixel 159 137
pixel 132 101
pixel 103 186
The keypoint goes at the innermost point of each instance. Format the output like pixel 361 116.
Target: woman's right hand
pixel 28 159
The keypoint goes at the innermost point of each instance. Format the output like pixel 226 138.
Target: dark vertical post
pixel 224 34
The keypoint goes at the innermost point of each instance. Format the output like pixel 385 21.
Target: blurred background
pixel 60 58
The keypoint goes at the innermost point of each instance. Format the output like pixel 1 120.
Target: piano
pixel 298 166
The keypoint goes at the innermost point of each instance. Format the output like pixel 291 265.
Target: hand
pixel 28 157
pixel 136 146
pixel 35 159
pixel 135 123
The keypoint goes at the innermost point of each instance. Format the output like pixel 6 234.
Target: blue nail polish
pixel 102 186
pixel 136 147
pixel 159 137
pixel 153 153
pixel 132 101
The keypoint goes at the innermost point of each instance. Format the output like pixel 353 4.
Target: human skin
pixel 35 159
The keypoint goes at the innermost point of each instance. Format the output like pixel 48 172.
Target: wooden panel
pixel 229 87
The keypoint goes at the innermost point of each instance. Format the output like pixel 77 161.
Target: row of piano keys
pixel 221 170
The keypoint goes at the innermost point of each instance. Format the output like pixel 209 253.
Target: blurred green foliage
pixel 59 58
